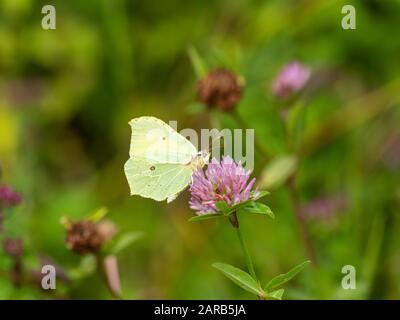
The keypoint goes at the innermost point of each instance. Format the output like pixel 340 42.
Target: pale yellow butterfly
pixel 162 161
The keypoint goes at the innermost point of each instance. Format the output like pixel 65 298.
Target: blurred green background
pixel 66 97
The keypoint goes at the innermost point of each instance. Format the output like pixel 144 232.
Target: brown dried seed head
pixel 84 237
pixel 220 89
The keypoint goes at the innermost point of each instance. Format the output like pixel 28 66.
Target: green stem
pixel 249 262
pixel 305 235
pixel 295 200
pixel 235 222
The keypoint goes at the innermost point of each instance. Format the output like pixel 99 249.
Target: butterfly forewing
pixel 154 140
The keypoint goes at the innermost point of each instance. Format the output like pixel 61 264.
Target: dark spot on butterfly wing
pixel 152 168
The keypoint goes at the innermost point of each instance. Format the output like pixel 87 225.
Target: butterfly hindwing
pixel 158 181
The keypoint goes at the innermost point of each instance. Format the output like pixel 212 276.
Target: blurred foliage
pixel 66 96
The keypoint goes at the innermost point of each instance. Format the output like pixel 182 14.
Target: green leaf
pixel 244 204
pixel 278 171
pixel 258 208
pixel 241 278
pixel 122 241
pixel 198 64
pixel 99 214
pixel 239 206
pixel 283 278
pixel 277 295
pixel 206 217
pixel 223 207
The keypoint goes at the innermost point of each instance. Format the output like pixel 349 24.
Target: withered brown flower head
pixel 220 89
pixel 84 237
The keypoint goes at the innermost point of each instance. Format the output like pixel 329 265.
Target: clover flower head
pixel 9 197
pixel 222 181
pixel 13 247
pixel 291 80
